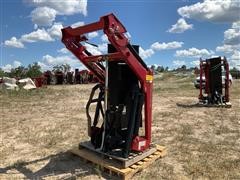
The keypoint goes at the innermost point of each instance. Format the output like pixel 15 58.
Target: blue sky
pixel 170 32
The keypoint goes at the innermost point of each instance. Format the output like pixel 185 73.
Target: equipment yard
pixel 39 127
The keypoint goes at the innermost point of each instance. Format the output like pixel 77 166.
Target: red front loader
pixel 124 101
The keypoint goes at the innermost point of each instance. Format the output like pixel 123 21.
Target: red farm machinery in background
pixel 40 81
pixel 124 100
pixel 84 77
pixel 214 81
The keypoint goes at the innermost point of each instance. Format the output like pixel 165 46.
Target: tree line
pixel 32 71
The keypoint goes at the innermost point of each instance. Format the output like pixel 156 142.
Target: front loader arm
pixel 111 26
pixel 115 31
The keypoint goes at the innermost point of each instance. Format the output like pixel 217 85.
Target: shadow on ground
pixel 196 105
pixel 64 165
pixel 199 105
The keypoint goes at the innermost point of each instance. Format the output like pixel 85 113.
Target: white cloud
pixel 232 35
pixel 180 26
pixel 194 52
pixel 103 47
pixel 236 56
pixel 43 66
pixel 234 64
pixel 43 16
pixel 35 26
pixel 38 35
pixel 16 63
pixel 68 7
pixel 145 53
pixel 234 60
pixel 14 42
pixel 92 49
pixel 231 39
pixel 226 48
pixel 55 30
pixel 52 33
pixel 92 35
pixel 58 60
pixel 77 24
pixel 178 63
pixel 195 63
pixel 231 45
pixel 212 10
pixel 236 25
pixel 214 56
pixel 164 46
pixel 8 67
pixel 104 38
pixel 63 51
pixel 48 62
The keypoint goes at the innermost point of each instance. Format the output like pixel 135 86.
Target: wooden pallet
pixel 111 167
pixel 120 162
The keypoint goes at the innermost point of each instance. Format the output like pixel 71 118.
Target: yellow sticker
pixel 149 78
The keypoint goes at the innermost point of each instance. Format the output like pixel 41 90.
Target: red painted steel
pixel 39 81
pixel 207 90
pixel 204 71
pixel 227 79
pixel 201 75
pixel 112 27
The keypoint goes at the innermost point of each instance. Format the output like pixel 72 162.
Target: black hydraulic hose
pixel 138 114
pixel 89 119
pixel 131 115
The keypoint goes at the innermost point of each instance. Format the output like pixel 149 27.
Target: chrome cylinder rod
pixel 105 103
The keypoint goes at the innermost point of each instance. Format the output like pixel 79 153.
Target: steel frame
pixel 115 31
pixel 204 70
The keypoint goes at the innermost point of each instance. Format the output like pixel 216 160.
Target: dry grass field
pixel 39 127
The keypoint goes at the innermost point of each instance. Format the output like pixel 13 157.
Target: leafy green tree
pixel 166 68
pixel 57 68
pixel 62 68
pixel 19 72
pixel 160 69
pixel 34 70
pixel 2 73
pixel 234 69
pixel 66 68
pixel 184 67
pixel 235 72
pixel 12 73
pixel 153 67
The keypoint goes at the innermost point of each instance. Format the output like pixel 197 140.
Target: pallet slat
pixel 123 162
pixel 139 163
pixel 112 167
